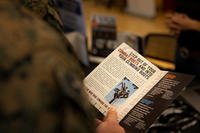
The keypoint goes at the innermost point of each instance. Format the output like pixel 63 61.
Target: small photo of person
pixel 121 92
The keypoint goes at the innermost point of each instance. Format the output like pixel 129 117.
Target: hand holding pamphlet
pixel 134 86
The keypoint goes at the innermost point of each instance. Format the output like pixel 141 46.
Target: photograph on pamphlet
pixel 121 92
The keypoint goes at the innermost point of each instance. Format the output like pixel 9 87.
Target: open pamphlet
pixel 138 90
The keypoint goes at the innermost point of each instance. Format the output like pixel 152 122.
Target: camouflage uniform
pixel 39 79
pixel 46 10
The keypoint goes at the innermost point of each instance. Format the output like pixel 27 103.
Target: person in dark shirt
pixel 185 23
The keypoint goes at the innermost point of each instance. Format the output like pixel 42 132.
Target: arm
pixel 178 22
pixel 196 25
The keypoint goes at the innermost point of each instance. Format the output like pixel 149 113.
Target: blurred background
pixel 147 18
pixel 140 19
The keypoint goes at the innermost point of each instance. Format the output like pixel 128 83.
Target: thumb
pixel 111 115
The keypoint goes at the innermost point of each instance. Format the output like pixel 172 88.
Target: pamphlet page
pixel 121 80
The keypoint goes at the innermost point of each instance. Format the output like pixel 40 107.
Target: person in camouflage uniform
pixel 46 10
pixel 40 80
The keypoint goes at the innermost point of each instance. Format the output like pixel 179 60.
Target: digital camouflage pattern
pixel 46 10
pixel 40 88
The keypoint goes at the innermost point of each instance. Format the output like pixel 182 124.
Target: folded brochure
pixel 138 90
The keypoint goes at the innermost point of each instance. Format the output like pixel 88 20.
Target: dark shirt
pixel 189 38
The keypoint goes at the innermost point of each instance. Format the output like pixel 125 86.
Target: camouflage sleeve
pixel 46 10
pixel 40 82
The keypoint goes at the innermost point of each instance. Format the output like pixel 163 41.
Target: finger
pixel 168 16
pixel 178 18
pixel 168 22
pixel 98 122
pixel 112 115
pixel 174 26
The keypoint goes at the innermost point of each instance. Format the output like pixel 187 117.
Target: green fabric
pixel 40 81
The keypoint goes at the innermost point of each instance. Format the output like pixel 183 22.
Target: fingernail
pixel 112 109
